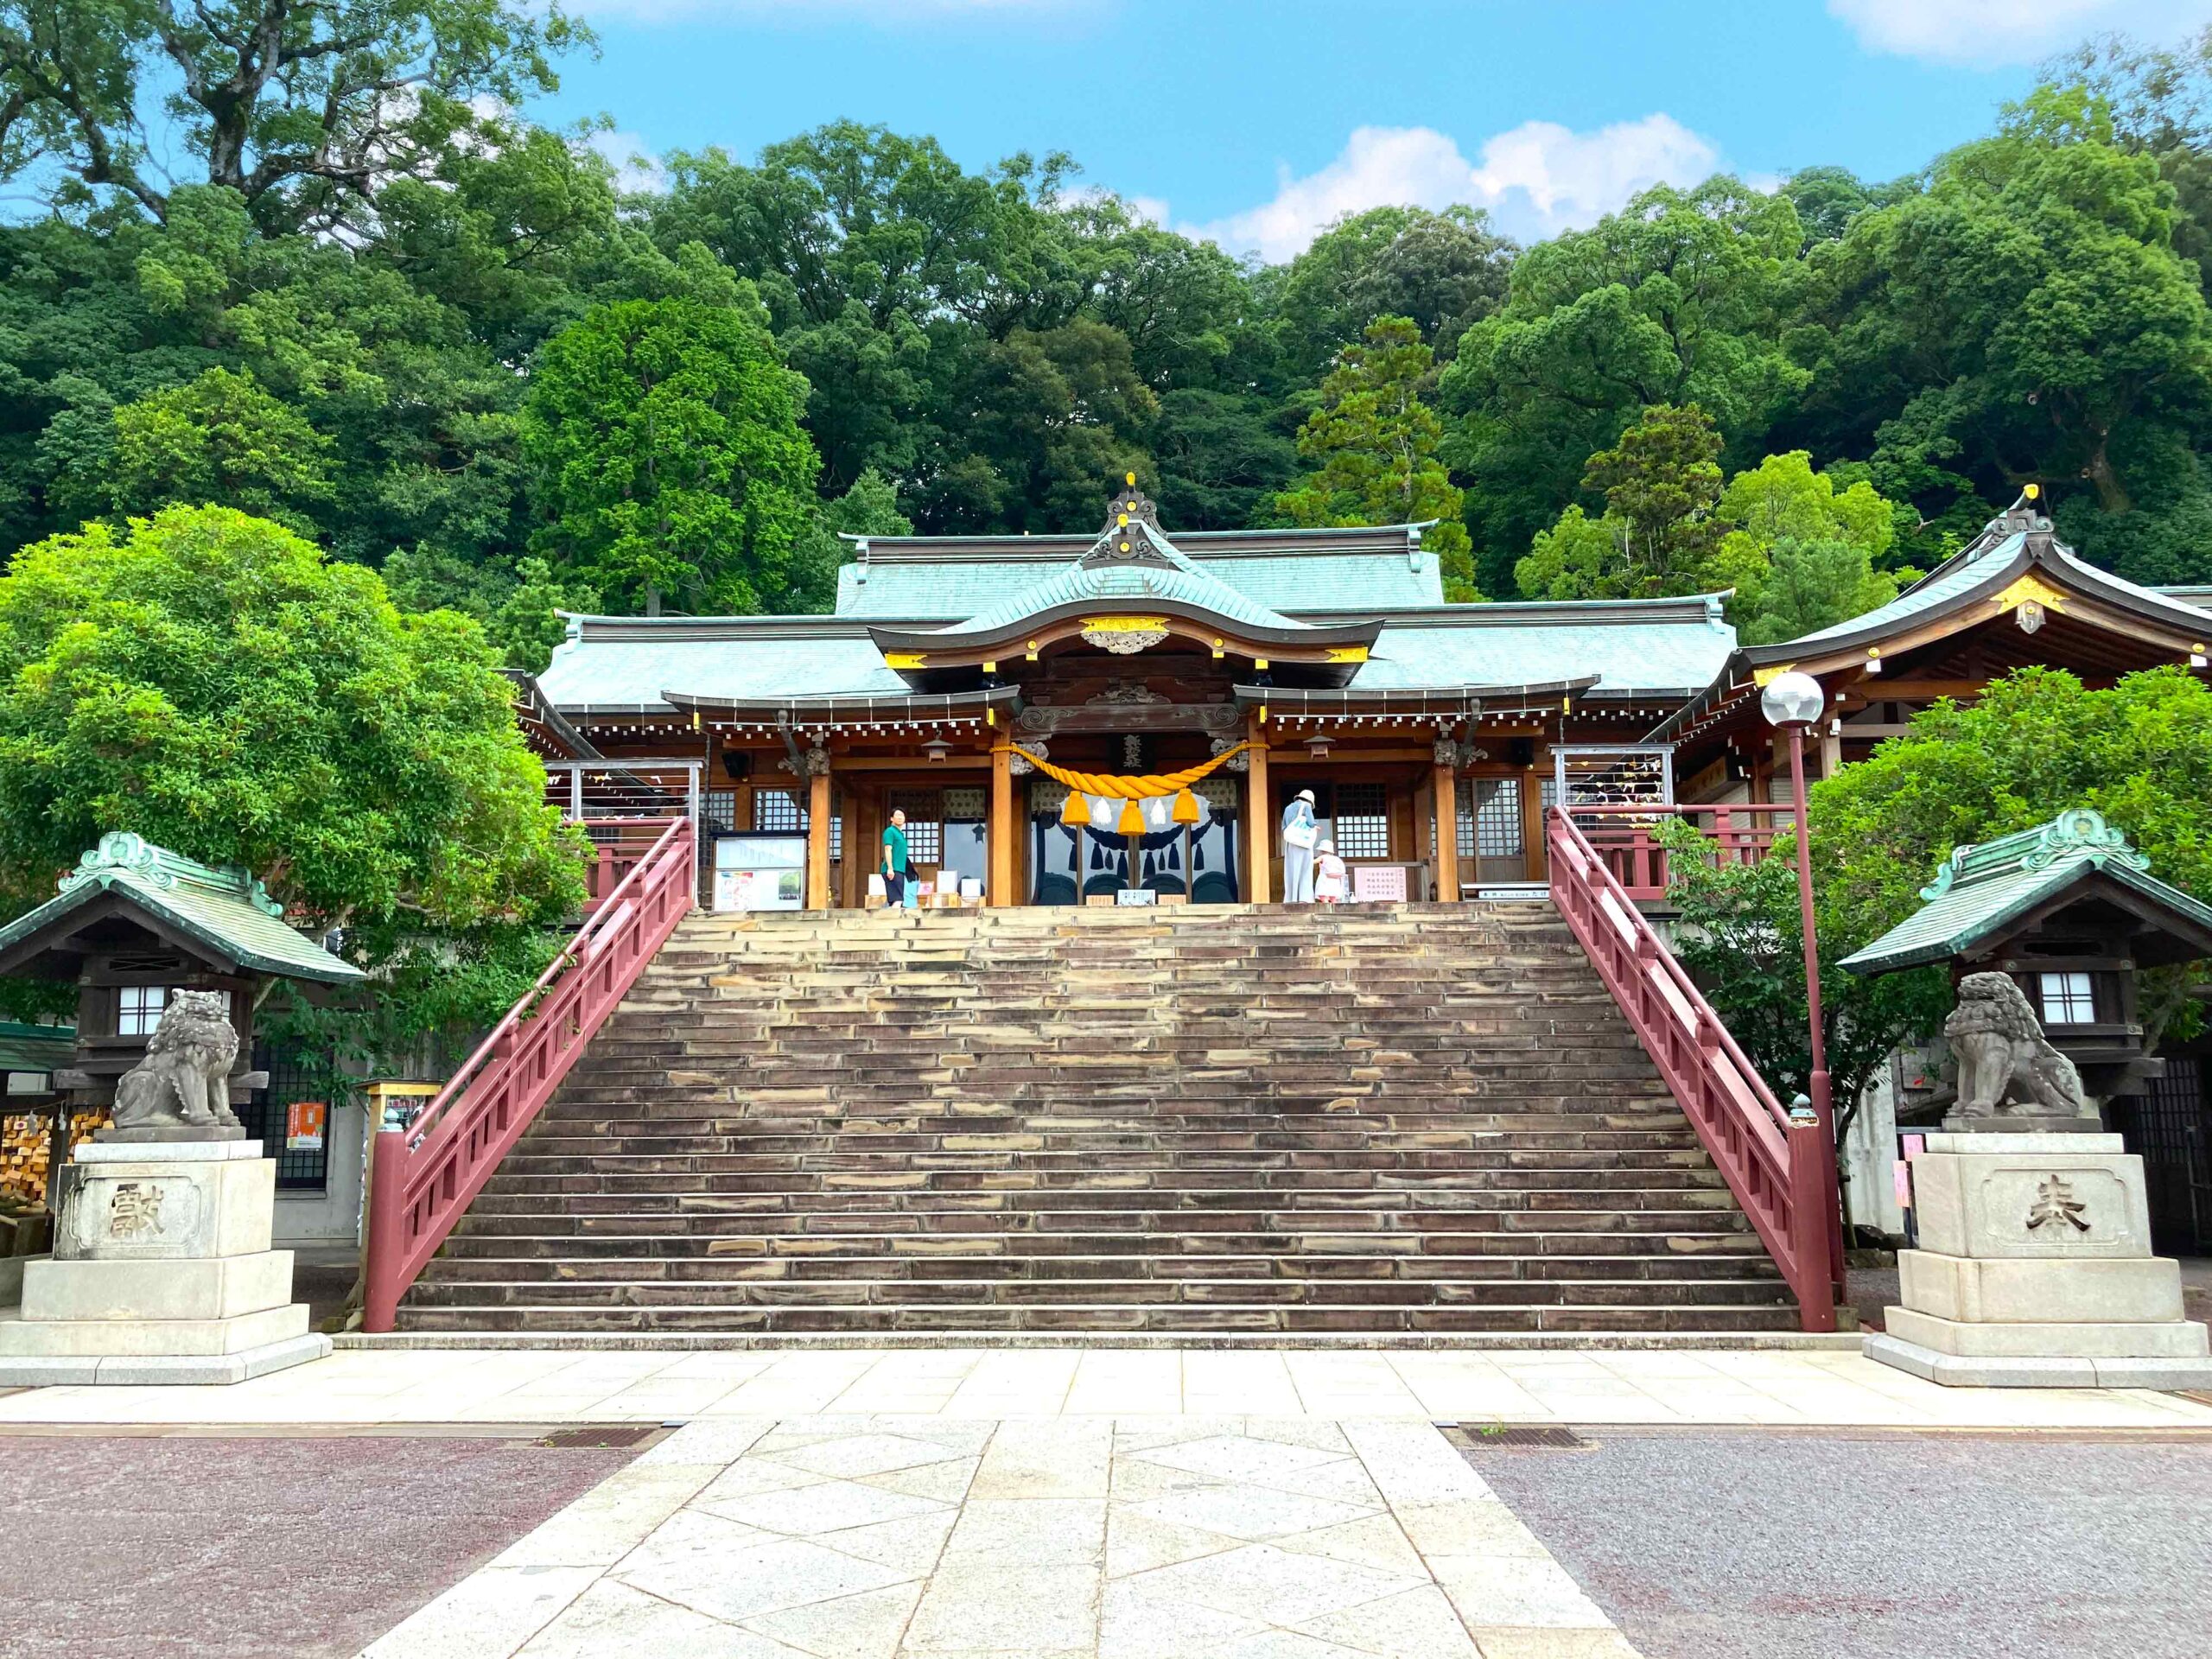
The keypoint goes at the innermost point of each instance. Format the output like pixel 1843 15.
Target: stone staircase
pixel 1416 1118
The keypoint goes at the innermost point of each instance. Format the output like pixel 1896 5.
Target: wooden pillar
pixel 1258 829
pixel 852 873
pixel 1533 862
pixel 817 836
pixel 1444 784
pixel 999 834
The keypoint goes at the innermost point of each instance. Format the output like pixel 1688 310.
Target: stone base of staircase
pixel 1846 1341
pixel 1249 1126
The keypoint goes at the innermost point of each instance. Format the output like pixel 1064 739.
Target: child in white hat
pixel 1328 874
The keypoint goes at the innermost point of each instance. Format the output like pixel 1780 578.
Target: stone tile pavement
pixel 1707 1386
pixel 910 1536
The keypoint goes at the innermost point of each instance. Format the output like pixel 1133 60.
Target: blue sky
pixel 1256 123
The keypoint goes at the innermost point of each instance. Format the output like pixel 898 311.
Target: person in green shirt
pixel 895 866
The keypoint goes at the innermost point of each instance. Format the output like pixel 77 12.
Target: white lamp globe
pixel 1792 700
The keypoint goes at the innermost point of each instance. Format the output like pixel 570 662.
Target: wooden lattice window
pixel 1362 826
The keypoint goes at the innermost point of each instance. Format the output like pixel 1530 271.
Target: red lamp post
pixel 1792 703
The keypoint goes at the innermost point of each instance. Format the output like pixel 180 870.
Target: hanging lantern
pixel 1186 807
pixel 1132 819
pixel 1075 812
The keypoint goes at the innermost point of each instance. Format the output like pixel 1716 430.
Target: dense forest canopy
pixel 377 305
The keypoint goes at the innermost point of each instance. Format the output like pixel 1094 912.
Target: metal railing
pixel 1776 1165
pixel 1621 837
pixel 423 1175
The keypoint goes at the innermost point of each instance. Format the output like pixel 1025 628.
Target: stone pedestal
pixel 162 1272
pixel 2035 1270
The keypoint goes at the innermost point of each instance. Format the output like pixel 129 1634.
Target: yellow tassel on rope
pixel 1128 789
pixel 1186 807
pixel 1132 819
pixel 1075 812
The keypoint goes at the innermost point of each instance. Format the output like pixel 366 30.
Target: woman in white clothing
pixel 1300 832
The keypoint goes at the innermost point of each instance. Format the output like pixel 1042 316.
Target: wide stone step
pixel 486 1261
pixel 1221 1319
pixel 557 1291
pixel 1087 1162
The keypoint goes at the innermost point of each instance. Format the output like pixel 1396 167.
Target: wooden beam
pixel 1534 866
pixel 1259 832
pixel 1444 786
pixel 817 841
pixel 1000 833
pixel 913 763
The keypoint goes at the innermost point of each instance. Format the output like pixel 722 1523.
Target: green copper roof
pixel 1660 648
pixel 1982 887
pixel 225 910
pixel 1297 572
pixel 1132 563
pixel 1657 647
pixel 36 1048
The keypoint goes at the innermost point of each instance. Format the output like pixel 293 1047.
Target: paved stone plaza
pixel 860 1503
pixel 1714 1386
pixel 1127 1539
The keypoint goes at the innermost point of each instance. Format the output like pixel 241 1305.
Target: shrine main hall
pixel 1084 717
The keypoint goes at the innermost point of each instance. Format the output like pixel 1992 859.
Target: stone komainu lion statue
pixel 185 1077
pixel 2004 1057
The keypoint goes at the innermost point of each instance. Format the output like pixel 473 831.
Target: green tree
pixel 220 439
pixel 1686 296
pixel 666 457
pixel 526 625
pixel 300 106
pixel 1040 422
pixel 2026 318
pixel 1659 535
pixel 1373 443
pixel 1444 271
pixel 869 508
pixel 208 680
pixel 1223 458
pixel 1806 586
pixel 1800 553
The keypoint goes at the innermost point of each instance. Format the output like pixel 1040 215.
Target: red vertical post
pixel 1812 1223
pixel 385 1279
pixel 1821 1089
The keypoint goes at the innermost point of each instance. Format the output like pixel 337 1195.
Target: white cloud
pixel 636 166
pixel 2007 31
pixel 1536 180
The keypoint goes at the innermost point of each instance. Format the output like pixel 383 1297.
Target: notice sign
pixel 304 1123
pixel 1374 883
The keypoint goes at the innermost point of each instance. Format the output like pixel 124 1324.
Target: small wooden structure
pixel 2070 912
pixel 135 923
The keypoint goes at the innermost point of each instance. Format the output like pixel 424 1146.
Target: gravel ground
pixel 1765 1545
pixel 257 1548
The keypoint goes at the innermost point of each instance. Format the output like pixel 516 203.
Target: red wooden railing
pixel 618 846
pixel 423 1176
pixel 1622 839
pixel 1776 1165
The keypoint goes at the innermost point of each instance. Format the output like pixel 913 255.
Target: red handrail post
pixel 1812 1212
pixel 387 1219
